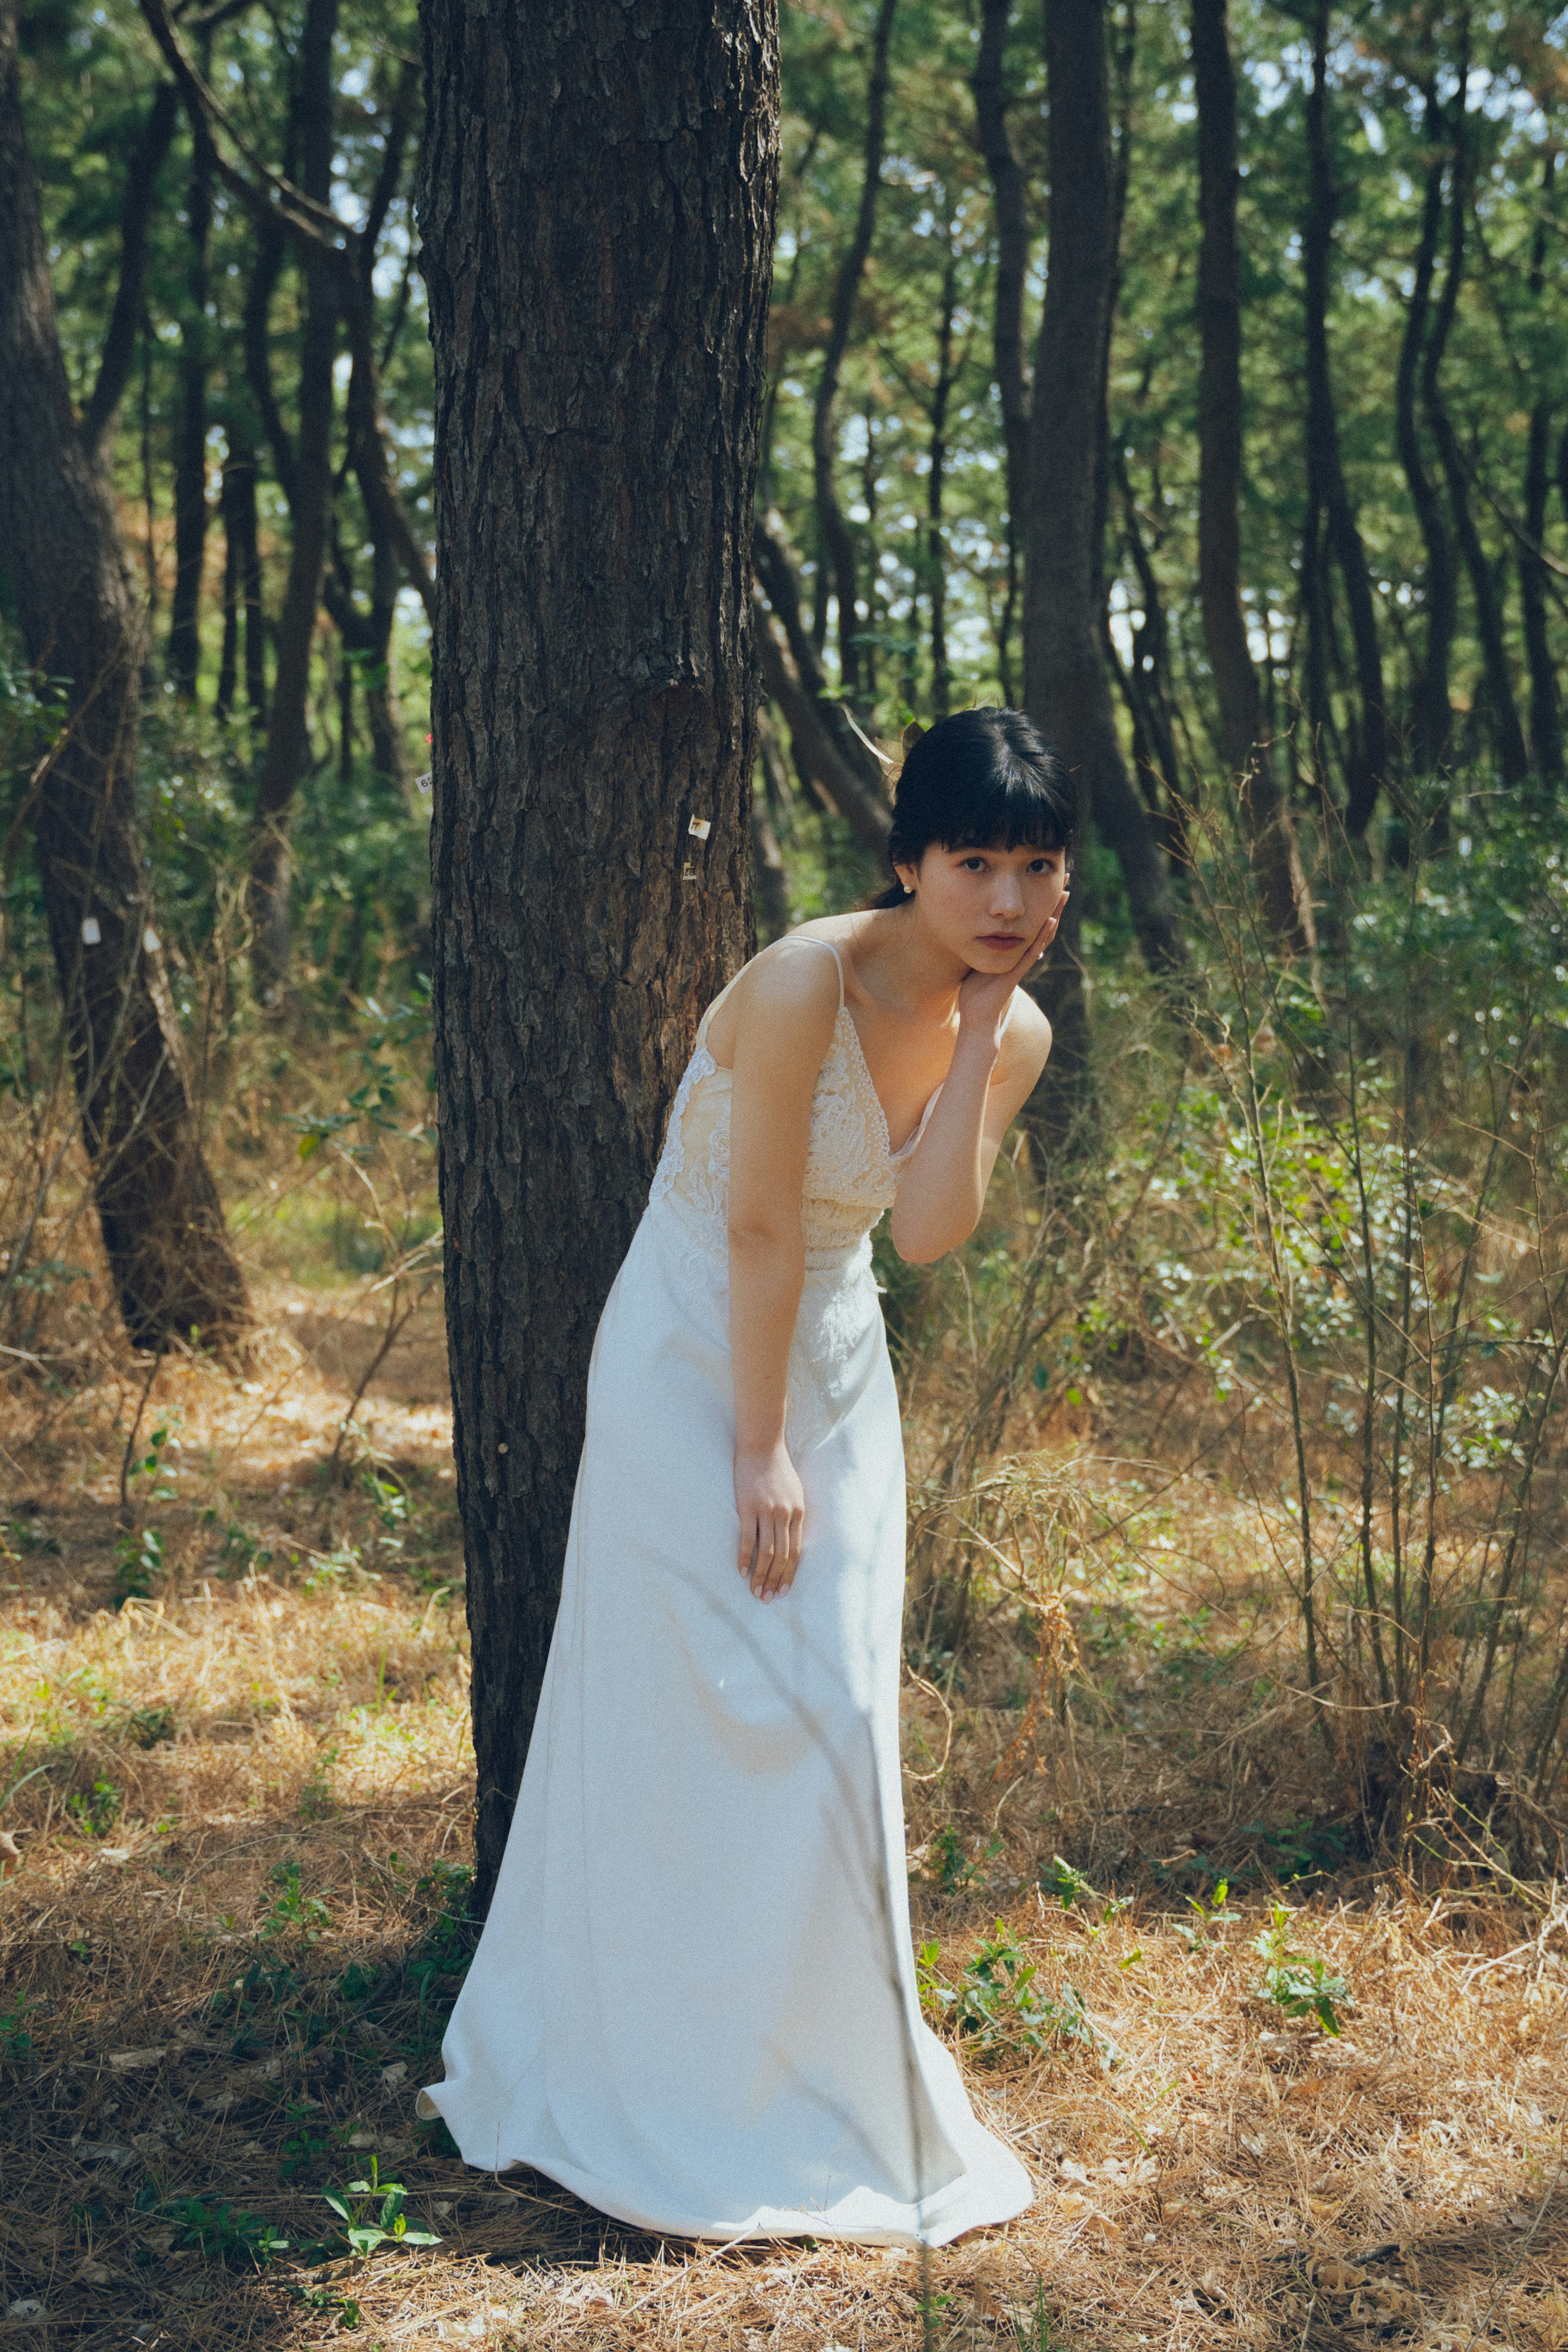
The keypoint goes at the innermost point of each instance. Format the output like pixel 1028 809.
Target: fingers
pixel 771 1552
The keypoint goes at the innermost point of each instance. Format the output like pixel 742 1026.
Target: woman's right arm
pixel 785 1011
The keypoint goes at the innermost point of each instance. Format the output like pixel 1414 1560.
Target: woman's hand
pixel 984 996
pixel 771 1502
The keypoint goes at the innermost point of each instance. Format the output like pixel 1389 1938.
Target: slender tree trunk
pixel 1546 702
pixel 1009 362
pixel 125 319
pixel 1067 687
pixel 837 570
pixel 1434 715
pixel 583 172
pixel 191 439
pixel 287 738
pixel 935 479
pixel 228 658
pixel 1502 711
pixel 1271 837
pixel 163 1227
pixel 1327 489
pixel 827 722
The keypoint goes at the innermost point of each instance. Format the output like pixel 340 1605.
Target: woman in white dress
pixel 694 1999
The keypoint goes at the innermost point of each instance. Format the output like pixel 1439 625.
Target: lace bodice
pixel 851 1172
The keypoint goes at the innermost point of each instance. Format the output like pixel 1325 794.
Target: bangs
pixel 1013 807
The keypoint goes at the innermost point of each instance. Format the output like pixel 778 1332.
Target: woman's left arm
pixel 996 1065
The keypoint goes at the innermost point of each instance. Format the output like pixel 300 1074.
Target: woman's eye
pixel 974 865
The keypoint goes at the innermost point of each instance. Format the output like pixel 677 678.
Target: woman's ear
pixel 907 875
pixel 911 736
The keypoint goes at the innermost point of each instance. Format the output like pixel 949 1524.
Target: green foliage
pixel 372 2215
pixel 292 1913
pixel 1295 1983
pixel 1198 1932
pixel 223 2232
pixel 997 2008
pixel 94 1811
pixel 15 2033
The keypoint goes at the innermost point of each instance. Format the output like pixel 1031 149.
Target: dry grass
pixel 223 1966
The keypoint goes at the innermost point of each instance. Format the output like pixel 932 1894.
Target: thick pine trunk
pixel 598 217
pixel 163 1227
pixel 1271 839
pixel 1067 686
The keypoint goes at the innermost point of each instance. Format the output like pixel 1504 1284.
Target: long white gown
pixel 695 2000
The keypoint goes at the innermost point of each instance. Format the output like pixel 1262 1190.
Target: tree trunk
pixel 1270 838
pixel 935 479
pixel 191 437
pixel 163 1232
pixel 125 319
pixel 587 173
pixel 288 737
pixel 1545 703
pixel 1067 688
pixel 1434 717
pixel 1508 735
pixel 1008 347
pixel 836 566
pixel 1327 491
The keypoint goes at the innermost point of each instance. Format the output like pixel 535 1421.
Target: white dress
pixel 695 2000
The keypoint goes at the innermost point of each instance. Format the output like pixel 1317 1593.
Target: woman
pixel 695 2000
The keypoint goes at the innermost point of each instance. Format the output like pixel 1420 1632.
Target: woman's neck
pixel 908 970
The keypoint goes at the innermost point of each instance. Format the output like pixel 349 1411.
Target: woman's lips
pixel 1001 939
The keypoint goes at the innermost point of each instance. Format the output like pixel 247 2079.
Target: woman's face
pixel 984 906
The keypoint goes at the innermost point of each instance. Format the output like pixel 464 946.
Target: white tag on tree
pixel 90 933
pixel 702 826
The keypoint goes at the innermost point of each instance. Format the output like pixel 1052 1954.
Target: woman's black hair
pixel 980 780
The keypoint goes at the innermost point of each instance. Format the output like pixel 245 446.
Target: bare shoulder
pixel 1026 1046
pixel 782 1006
pixel 792 976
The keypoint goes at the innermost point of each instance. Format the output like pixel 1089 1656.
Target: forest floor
pixel 225 1951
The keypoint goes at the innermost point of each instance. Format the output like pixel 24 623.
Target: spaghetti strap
pixel 795 940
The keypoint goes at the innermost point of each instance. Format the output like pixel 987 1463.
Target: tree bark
pixel 865 811
pixel 1545 703
pixel 936 482
pixel 169 1253
pixel 1434 715
pixel 599 191
pixel 1008 361
pixel 1271 837
pixel 190 436
pixel 1067 687
pixel 1502 711
pixel 242 583
pixel 835 540
pixel 776 577
pixel 1327 491
pixel 118 354
pixel 287 735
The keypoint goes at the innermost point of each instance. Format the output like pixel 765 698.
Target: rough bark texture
pixel 125 318
pixel 1067 687
pixel 600 182
pixel 1270 838
pixel 836 568
pixel 163 1226
pixel 310 501
pixel 1327 491
pixel 1546 702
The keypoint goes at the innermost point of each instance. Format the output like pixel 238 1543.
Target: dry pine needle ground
pixel 224 1971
